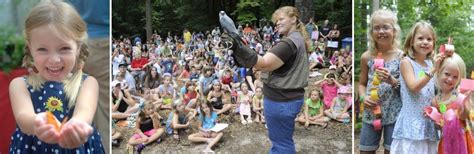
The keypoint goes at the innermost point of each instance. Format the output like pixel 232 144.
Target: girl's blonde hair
pixel 396 29
pixel 320 95
pixel 64 20
pixel 176 103
pixel 148 105
pixel 291 11
pixel 408 46
pixel 457 61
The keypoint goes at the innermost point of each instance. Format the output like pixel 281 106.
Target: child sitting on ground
pixel 313 112
pixel 339 106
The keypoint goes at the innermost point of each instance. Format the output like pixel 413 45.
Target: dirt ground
pixel 253 138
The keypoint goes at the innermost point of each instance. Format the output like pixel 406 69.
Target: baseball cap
pixel 115 82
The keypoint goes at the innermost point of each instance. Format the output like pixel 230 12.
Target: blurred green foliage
pixel 11 49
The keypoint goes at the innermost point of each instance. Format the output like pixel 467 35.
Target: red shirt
pixel 139 63
pixel 185 74
pixel 189 96
pixel 226 80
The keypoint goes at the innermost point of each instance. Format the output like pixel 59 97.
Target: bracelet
pixel 429 74
pixel 361 98
pixel 397 84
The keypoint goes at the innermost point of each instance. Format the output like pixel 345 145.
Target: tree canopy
pixel 128 17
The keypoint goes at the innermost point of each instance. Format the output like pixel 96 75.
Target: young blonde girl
pixel 244 102
pixel 147 128
pixel 413 132
pixel 178 119
pixel 167 91
pixel 207 120
pixel 313 112
pixel 55 53
pixel 384 34
pixel 258 105
pixel 456 138
pixel 340 105
pixel 334 59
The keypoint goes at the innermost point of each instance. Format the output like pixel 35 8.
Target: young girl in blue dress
pixel 413 132
pixel 55 53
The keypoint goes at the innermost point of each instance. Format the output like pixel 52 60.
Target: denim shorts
pixel 370 139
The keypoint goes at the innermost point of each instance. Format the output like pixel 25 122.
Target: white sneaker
pixel 249 121
pixel 208 151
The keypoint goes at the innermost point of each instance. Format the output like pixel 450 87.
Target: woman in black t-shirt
pixel 123 105
pixel 285 72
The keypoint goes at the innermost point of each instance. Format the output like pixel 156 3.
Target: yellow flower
pixel 53 104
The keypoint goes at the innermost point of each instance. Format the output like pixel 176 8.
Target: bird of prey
pixel 226 23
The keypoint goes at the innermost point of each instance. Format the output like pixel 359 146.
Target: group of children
pixel 196 81
pixel 416 88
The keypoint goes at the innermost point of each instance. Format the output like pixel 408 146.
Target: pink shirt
pixel 329 93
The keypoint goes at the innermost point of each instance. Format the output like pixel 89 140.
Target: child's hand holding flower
pixel 74 133
pixel 44 131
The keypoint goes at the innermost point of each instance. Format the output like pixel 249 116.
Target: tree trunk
pixel 306 8
pixel 148 20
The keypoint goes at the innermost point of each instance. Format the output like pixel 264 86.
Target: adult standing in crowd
pixel 333 40
pixel 325 29
pixel 285 69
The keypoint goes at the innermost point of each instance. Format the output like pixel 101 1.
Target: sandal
pixel 176 136
pixel 140 147
pixel 325 125
pixel 116 143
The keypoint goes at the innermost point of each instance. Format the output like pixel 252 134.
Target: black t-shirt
pixel 325 30
pixel 146 124
pixel 122 104
pixel 287 54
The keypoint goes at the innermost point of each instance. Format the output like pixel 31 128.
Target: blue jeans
pixel 370 139
pixel 280 118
